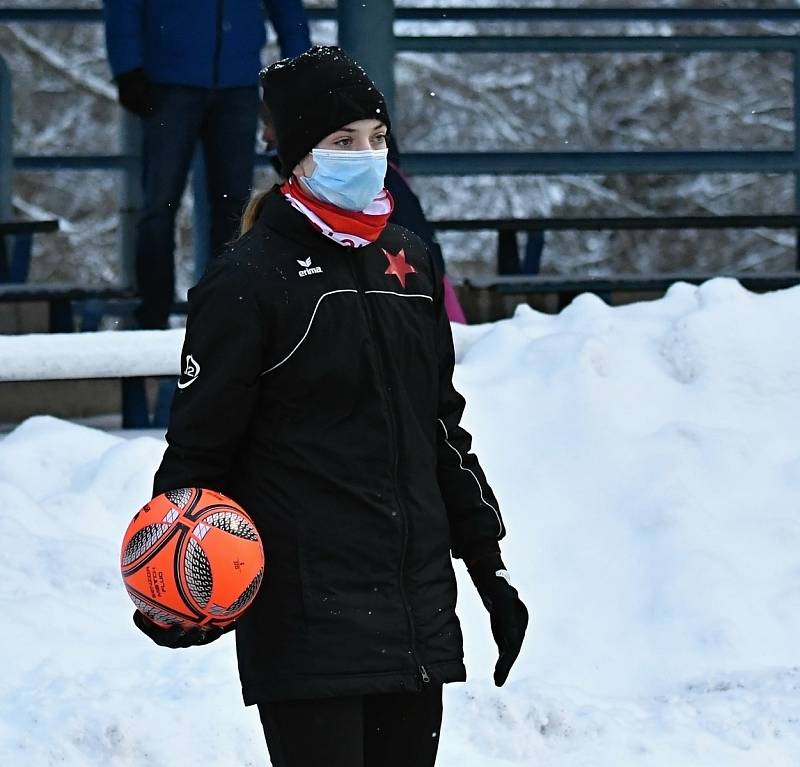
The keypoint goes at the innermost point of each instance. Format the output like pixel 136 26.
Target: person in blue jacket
pixel 189 69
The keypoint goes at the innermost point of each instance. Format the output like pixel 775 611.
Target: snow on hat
pixel 315 94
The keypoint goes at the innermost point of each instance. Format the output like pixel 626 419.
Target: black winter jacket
pixel 318 394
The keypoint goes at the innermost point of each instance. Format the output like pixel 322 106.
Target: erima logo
pixel 191 371
pixel 308 268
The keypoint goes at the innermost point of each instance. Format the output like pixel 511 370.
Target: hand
pixel 508 615
pixel 176 637
pixel 134 93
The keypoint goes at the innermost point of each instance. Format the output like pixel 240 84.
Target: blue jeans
pixel 224 120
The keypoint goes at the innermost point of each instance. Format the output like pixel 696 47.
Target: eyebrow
pixel 355 130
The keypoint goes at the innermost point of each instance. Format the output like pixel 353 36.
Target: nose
pixel 361 143
pixel 268 134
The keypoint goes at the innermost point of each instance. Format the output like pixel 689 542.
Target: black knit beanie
pixel 313 95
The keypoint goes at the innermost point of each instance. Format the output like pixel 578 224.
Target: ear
pixel 305 167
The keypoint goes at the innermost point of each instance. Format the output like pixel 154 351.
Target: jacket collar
pixel 279 216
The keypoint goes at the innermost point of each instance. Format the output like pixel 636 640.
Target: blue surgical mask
pixel 347 179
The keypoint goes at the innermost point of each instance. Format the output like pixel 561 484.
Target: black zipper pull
pixel 424 674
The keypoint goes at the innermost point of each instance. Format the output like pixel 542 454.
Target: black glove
pixel 508 615
pixel 134 93
pixel 177 636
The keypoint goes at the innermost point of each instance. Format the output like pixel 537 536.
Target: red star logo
pixel 398 266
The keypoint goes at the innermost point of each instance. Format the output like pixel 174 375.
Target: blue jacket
pixel 205 43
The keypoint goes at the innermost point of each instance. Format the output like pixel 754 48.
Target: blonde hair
pixel 252 211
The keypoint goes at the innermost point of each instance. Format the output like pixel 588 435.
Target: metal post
pixel 6 162
pixel 366 32
pixel 796 147
pixel 6 141
pixel 130 192
pixel 507 252
pixel 201 214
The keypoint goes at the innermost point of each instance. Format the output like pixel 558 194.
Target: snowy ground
pixel 648 465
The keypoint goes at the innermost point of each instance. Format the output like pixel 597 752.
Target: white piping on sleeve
pixel 308 329
pixel 402 295
pixel 474 476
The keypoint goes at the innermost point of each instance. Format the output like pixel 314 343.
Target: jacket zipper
pixel 393 443
pixel 218 43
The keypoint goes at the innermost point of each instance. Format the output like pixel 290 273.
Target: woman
pixel 407 211
pixel 318 395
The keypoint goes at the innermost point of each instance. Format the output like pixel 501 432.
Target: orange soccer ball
pixel 192 557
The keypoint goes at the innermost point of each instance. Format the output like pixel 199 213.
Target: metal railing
pixel 6 158
pixel 544 163
pixel 529 162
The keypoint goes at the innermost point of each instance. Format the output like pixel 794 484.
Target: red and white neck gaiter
pixel 350 228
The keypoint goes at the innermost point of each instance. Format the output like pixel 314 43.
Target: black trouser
pixel 388 730
pixel 224 120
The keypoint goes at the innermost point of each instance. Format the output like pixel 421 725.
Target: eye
pixel 345 141
pixel 379 139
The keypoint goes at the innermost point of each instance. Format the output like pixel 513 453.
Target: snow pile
pixel 647 462
pixel 58 356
